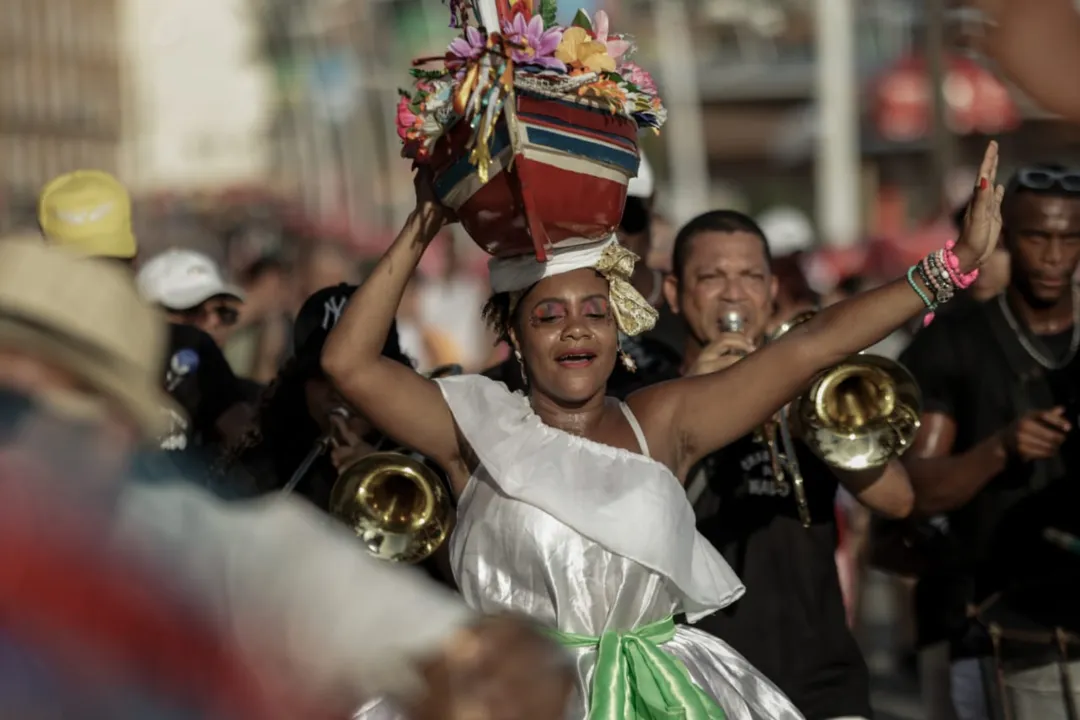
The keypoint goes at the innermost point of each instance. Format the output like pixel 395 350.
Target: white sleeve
pixel 298 593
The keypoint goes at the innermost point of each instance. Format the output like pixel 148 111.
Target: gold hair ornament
pixel 633 313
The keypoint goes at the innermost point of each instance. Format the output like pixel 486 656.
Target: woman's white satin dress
pixel 587 538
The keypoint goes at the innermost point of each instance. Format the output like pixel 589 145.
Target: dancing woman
pixel 571 509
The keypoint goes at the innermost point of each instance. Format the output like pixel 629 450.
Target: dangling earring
pixel 521 366
pixel 627 361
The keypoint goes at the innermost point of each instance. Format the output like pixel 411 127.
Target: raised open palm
pixel 982 221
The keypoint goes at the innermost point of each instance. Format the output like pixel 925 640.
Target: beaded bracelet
pixel 940 273
pixel 930 305
pixel 952 265
pixel 936 276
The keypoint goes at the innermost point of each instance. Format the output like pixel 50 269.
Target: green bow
pixel 636 680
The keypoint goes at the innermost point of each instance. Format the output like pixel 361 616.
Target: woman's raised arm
pixel 400 402
pixel 702 414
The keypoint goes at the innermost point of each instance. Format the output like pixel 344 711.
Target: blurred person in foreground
pixel 89 212
pixel 793 625
pixel 997 456
pixel 78 391
pixel 296 619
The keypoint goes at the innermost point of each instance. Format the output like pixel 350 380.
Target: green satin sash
pixel 636 680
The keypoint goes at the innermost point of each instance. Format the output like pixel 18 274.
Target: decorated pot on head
pixel 530 127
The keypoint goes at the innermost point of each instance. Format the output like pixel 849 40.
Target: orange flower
pixel 606 91
pixel 579 51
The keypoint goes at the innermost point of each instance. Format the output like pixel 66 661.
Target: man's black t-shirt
pixel 791 624
pixel 972 368
pixel 199 378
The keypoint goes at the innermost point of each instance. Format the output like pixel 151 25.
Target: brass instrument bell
pixel 396 505
pixel 859 414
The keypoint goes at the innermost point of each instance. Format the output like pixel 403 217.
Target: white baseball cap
pixel 181 279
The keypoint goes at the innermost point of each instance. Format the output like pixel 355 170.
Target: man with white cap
pixel 293 596
pixel 193 291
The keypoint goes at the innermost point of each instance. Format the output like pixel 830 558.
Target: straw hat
pixel 85 316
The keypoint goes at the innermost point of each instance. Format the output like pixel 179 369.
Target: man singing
pixel 998 453
pixel 791 624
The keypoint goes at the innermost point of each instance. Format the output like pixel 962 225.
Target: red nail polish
pixel 982 183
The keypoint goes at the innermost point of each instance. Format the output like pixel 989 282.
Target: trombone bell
pixel 861 413
pixel 396 505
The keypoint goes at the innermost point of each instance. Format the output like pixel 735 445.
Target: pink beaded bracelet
pixel 952 266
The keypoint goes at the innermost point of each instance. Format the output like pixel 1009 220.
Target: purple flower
pixel 463 49
pixel 537 45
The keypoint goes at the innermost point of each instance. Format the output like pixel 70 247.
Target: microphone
pixel 733 322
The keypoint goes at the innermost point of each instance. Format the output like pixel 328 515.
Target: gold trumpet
pixel 859 414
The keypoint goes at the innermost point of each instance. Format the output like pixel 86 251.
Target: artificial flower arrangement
pixel 530 127
pixel 529 51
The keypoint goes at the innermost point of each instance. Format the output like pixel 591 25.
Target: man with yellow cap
pixel 89 212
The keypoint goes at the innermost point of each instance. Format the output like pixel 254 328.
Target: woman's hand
pixel 501 669
pixel 982 221
pixel 429 209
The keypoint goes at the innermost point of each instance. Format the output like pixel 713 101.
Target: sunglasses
pixel 1043 179
pixel 227 315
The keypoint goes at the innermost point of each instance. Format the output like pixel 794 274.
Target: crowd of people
pixel 570 463
pixel 644 524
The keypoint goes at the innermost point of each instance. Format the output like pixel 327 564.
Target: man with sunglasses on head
pixel 89 212
pixel 998 451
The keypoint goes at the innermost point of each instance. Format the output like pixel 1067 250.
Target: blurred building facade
pixel 61 95
pixel 199 96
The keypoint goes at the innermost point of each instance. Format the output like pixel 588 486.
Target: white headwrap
pixel 633 314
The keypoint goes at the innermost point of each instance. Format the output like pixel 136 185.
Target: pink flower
pixel 406 119
pixel 463 49
pixel 615 48
pixel 537 45
pixel 636 75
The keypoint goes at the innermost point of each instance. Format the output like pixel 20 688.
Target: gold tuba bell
pixel 859 414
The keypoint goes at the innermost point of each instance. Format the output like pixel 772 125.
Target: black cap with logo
pixel 318 316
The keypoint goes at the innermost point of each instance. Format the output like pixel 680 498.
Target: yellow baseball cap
pixel 88 211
